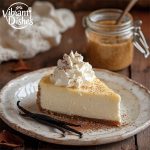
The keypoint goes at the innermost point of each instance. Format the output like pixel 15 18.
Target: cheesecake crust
pixel 52 113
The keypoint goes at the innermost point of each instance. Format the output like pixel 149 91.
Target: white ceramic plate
pixel 135 106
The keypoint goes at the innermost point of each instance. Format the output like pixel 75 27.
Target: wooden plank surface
pixel 74 39
pixel 141 73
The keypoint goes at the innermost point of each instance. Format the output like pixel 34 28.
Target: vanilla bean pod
pixel 60 125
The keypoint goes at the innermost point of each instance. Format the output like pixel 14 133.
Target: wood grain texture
pixel 128 144
pixel 74 39
pixel 141 73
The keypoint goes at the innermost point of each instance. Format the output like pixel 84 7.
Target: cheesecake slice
pixel 76 97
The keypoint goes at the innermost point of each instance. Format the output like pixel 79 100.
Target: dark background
pixel 84 4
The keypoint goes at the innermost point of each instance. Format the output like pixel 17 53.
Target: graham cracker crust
pixel 74 117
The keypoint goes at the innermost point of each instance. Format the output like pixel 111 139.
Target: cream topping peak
pixel 72 71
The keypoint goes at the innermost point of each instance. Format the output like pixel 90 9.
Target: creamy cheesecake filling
pixel 96 102
pixel 88 107
pixel 73 89
pixel 72 71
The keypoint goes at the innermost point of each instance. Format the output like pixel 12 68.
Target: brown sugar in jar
pixel 109 46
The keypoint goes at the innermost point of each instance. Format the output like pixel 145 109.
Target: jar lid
pixel 96 21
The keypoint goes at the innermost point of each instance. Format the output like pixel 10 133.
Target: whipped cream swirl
pixel 72 71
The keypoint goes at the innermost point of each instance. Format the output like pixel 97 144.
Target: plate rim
pixel 66 142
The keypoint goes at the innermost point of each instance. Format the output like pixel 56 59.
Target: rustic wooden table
pixel 74 39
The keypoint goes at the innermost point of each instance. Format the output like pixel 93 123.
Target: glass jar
pixel 110 45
